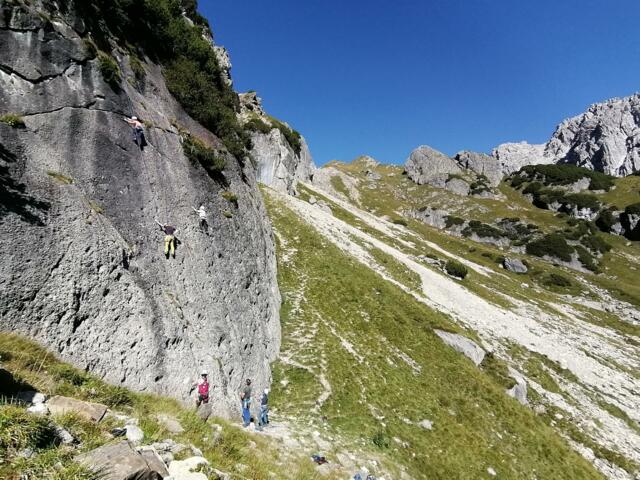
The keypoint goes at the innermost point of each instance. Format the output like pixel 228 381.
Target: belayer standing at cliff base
pixel 203 390
pixel 169 239
pixel 138 131
pixel 245 397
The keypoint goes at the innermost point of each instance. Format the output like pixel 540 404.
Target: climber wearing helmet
pixel 203 217
pixel 138 131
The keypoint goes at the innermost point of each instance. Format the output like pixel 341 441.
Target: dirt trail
pixel 585 351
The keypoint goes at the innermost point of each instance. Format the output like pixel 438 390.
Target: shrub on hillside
pixel 553 245
pixel 482 230
pixel 258 125
pixel 596 244
pixel 606 220
pixel 456 269
pixel 565 175
pixel 556 280
pixel 399 221
pixel 450 221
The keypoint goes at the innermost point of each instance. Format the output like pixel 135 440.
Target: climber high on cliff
pixel 138 131
pixel 169 239
pixel 203 217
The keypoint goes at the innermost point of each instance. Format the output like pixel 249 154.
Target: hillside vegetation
pixel 360 358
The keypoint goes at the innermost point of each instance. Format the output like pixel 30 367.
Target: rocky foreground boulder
pixel 83 270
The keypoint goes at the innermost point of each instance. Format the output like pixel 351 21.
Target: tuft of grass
pixel 137 68
pixel 553 279
pixel 230 197
pixel 60 177
pixel 200 154
pixel 400 221
pixel 227 214
pixel 96 207
pixel 13 120
pixel 110 69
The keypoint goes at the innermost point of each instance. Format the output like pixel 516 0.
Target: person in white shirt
pixel 203 217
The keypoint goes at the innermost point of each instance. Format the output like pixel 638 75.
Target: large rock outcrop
pixel 278 164
pixel 426 165
pixel 83 270
pixel 605 138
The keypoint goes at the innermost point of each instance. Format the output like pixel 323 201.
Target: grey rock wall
pixel 83 271
pixel 278 164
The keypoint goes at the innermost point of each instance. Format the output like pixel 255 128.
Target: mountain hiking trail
pixel 586 351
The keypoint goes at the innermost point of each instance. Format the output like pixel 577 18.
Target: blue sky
pixel 381 77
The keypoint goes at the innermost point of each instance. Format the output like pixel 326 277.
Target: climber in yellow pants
pixel 169 239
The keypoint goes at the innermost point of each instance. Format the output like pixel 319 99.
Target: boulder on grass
pixel 462 344
pixel 118 462
pixel 61 405
pixel 514 265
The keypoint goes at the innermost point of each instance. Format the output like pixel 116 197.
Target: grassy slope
pixel 396 193
pixel 341 305
pixel 34 366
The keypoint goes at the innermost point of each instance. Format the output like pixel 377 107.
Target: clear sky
pixel 381 77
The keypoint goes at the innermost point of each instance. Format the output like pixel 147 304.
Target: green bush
pixel 586 259
pixel 12 119
pixel 200 154
pixel 596 244
pixel 456 269
pixel 450 221
pixel 110 69
pixel 556 280
pixel 192 72
pixel 137 68
pixel 399 221
pixel 553 245
pixel 565 175
pixel 582 200
pixel 606 220
pixel 258 125
pixel 230 197
pixel 482 230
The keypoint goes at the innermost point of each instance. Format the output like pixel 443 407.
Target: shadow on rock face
pixel 13 196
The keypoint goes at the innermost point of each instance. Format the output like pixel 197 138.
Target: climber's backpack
pixel 203 390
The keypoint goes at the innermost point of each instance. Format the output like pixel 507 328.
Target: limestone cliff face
pixel 605 138
pixel 83 270
pixel 278 164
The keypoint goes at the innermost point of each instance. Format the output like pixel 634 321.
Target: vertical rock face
pixel 481 164
pixel 83 269
pixel 605 138
pixel 278 164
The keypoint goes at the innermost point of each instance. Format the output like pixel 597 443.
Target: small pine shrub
pixel 109 68
pixel 482 230
pixel 596 243
pixel 456 269
pixel 399 221
pixel 582 200
pixel 553 245
pixel 13 120
pixel 450 221
pixel 556 280
pixel 606 220
pixel 586 259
